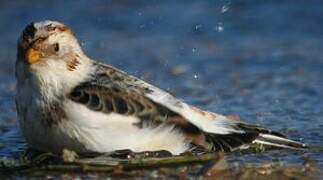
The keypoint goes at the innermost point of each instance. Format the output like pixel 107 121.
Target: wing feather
pixel 161 102
pixel 111 90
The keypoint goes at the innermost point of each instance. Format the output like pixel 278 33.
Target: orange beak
pixel 32 55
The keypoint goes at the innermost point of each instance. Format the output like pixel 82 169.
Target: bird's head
pixel 49 51
pixel 46 40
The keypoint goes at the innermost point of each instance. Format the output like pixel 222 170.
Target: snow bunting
pixel 67 100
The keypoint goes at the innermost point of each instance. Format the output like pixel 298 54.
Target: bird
pixel 66 100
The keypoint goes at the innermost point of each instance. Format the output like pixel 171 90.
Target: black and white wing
pixel 110 90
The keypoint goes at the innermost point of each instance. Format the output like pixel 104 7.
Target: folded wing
pixel 111 90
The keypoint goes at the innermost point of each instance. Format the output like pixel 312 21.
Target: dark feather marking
pixel 258 129
pixel 29 32
pixel 94 103
pixel 195 135
pixel 130 107
pixel 120 105
pixel 115 89
pixel 53 114
pixel 164 111
pixel 108 105
pixel 117 78
pixel 63 28
pixel 72 64
pixel 50 27
pixel 76 95
pixel 84 98
pixel 190 128
pixel 229 142
pixel 113 100
pixel 138 106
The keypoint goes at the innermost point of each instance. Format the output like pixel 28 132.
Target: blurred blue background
pixel 260 60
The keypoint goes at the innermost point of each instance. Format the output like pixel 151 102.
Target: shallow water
pixel 260 60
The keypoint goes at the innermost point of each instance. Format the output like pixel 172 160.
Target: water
pixel 261 60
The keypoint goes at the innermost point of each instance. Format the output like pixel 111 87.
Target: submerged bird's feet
pixel 128 154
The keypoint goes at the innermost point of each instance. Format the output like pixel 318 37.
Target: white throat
pixel 52 78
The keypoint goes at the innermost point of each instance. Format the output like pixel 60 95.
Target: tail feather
pixel 255 128
pixel 277 141
pixel 248 134
pixel 229 142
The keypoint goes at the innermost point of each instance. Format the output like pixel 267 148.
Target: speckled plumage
pixel 67 100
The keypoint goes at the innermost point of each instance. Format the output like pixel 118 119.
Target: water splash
pixel 225 7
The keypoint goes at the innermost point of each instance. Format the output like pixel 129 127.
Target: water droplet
pixel 219 27
pixel 225 8
pixel 195 76
pixel 194 50
pixel 197 27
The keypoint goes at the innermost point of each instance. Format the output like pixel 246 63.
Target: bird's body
pixel 67 100
pixel 76 125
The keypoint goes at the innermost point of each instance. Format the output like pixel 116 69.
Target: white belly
pixel 87 130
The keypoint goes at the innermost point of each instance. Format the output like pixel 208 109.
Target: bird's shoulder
pixel 110 77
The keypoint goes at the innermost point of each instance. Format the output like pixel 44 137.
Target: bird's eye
pixel 56 47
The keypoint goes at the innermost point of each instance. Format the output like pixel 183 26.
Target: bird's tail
pixel 272 138
pixel 223 133
pixel 251 134
pixel 278 141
